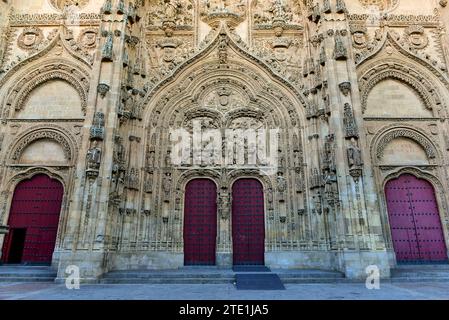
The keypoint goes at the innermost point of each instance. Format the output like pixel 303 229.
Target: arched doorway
pixel 248 226
pixel 415 222
pixel 33 221
pixel 200 222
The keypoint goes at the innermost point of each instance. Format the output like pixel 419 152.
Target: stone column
pixel 359 235
pixel 84 244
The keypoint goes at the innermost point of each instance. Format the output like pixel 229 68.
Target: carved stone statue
pixel 354 155
pixel 223 205
pixel 281 185
pixel 350 123
pixel 166 186
pixel 93 157
pixel 172 9
pixel 270 198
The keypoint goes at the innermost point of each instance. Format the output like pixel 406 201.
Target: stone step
pixel 27 279
pixel 437 272
pixel 420 279
pixel 204 276
pixel 22 273
pixel 166 280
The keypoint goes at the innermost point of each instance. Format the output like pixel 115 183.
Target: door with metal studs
pixel 415 223
pixel 33 221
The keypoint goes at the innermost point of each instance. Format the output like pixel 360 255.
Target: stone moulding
pixel 413 134
pixel 47 131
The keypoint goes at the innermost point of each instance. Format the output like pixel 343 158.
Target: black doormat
pixel 250 269
pixel 258 281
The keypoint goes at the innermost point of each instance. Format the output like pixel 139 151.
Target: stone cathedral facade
pixel 92 91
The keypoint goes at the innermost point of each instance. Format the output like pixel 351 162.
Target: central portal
pixel 248 227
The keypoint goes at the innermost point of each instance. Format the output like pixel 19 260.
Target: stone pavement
pixel 338 291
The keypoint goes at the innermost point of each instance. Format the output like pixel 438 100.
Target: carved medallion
pixel 30 38
pixel 88 38
pixel 416 37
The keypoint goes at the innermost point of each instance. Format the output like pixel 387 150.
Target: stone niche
pixel 55 99
pixel 391 98
pixel 404 151
pixel 43 151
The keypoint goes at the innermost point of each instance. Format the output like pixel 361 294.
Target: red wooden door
pixel 200 222
pixel 415 221
pixel 248 226
pixel 34 215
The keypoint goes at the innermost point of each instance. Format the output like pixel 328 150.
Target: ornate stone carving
pixel 354 155
pixel 231 12
pixel 277 13
pixel 63 4
pixel 416 37
pixel 97 129
pixel 93 160
pixel 359 35
pixel 167 184
pixel 340 50
pixel 107 50
pixel 281 186
pixel 30 38
pixel 42 133
pixel 345 87
pixel 350 123
pixel 132 179
pixel 88 38
pixel 405 133
pixel 382 5
pixel 170 15
pixel 103 89
pixel 223 205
